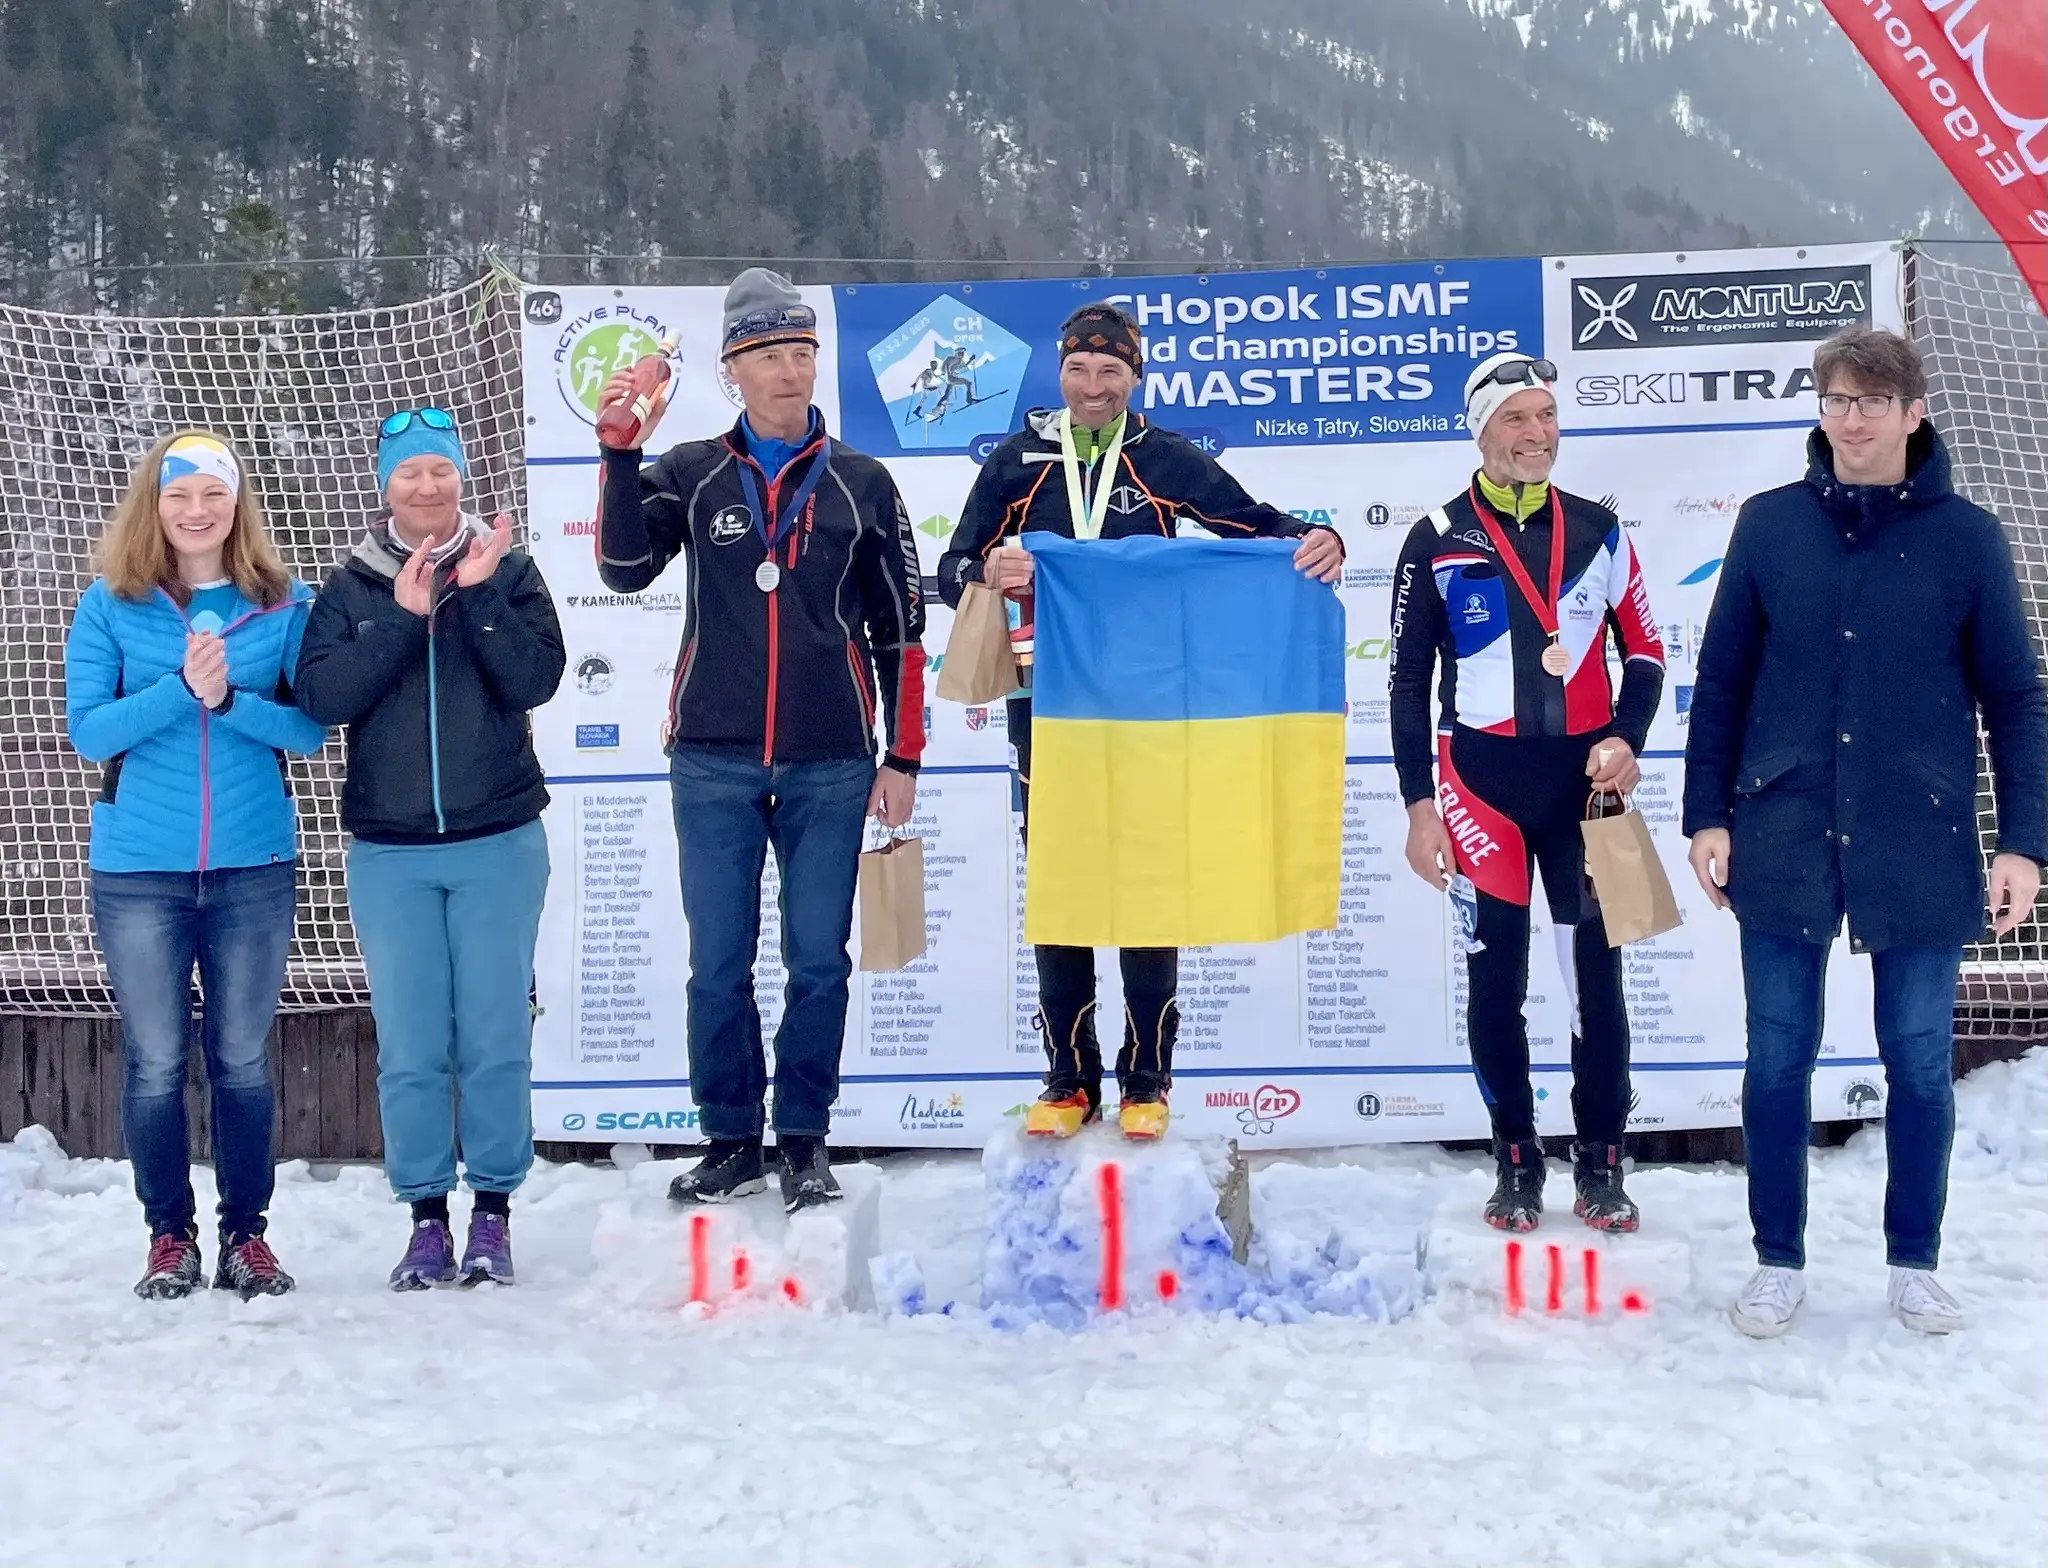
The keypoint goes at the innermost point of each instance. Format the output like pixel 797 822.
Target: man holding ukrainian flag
pixel 1153 732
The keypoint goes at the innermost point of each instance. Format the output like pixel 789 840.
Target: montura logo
pixel 1607 313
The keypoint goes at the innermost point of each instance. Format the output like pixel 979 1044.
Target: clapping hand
pixel 206 668
pixel 485 552
pixel 413 588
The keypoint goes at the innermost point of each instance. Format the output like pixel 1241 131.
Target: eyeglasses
pixel 1522 373
pixel 1871 405
pixel 433 418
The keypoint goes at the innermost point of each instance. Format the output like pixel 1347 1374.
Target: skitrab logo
pixel 947 375
pixel 597 344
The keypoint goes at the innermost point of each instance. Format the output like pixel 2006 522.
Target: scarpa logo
pixel 596 345
pixel 642 1121
pixel 932 1114
pixel 1666 310
pixel 948 375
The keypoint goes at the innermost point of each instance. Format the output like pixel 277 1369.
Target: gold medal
pixel 1557 659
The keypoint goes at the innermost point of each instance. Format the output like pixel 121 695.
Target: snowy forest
pixel 256 155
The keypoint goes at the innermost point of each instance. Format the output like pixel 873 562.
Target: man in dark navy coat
pixel 1867 620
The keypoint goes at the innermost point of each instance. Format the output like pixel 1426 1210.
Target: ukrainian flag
pixel 1187 744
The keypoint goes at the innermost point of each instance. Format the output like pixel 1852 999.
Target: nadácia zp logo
pixel 596 345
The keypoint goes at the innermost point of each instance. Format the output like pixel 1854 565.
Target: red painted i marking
pixel 1553 1295
pixel 1515 1301
pixel 1110 1191
pixel 700 1257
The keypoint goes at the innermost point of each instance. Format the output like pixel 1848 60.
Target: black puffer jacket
pixel 439 743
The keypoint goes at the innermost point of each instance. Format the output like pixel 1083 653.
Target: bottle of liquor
pixel 624 424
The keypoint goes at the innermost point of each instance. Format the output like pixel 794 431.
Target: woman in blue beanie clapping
pixel 177 682
pixel 432 642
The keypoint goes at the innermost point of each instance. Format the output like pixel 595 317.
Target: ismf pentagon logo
pixel 598 343
pixel 947 375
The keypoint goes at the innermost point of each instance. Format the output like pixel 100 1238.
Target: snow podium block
pixel 1093 1224
pixel 747 1254
pixel 1563 1268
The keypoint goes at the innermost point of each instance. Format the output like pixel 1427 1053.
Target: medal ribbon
pixel 1088 518
pixel 1545 609
pixel 774 530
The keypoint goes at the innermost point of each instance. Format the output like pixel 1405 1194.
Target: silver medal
pixel 766 576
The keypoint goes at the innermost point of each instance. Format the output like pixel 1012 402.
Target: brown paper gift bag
pixel 979 667
pixel 892 905
pixel 1628 879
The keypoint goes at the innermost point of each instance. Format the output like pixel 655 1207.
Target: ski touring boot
pixel 249 1268
pixel 731 1168
pixel 1596 1178
pixel 1517 1201
pixel 807 1179
pixel 174 1269
pixel 1144 1068
pixel 487 1255
pixel 1073 1077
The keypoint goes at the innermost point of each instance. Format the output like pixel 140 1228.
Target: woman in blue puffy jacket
pixel 177 682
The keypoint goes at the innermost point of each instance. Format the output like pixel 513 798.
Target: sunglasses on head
pixel 433 418
pixel 1522 373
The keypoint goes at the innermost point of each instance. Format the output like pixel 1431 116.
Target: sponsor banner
pixel 1324 356
pixel 1708 339
pixel 1353 1035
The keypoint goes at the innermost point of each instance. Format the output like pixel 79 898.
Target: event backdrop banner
pixel 1335 394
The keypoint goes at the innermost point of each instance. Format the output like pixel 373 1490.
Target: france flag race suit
pixel 1508 765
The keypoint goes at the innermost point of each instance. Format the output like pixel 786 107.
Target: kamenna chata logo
pixel 595 346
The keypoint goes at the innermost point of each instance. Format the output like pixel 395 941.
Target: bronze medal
pixel 1557 659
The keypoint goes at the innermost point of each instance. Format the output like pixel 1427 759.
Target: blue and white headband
pixel 189 455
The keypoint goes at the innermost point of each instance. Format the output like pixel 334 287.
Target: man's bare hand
pixel 1008 570
pixel 1709 857
pixel 2015 884
pixel 1429 846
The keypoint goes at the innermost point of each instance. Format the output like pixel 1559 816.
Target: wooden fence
pixel 65 1074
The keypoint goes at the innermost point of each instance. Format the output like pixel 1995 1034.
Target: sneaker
pixel 1596 1177
pixel 249 1268
pixel 1517 1201
pixel 488 1253
pixel 730 1169
pixel 174 1268
pixel 1060 1112
pixel 807 1180
pixel 1768 1302
pixel 429 1258
pixel 1918 1301
pixel 1142 1115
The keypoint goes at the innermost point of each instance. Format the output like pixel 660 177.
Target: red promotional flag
pixel 1973 74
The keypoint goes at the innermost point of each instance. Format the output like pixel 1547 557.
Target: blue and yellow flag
pixel 1187 744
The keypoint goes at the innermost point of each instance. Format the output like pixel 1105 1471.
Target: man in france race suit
pixel 1097 468
pixel 1515 586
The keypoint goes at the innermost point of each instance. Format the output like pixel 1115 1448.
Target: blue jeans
pixel 447 932
pixel 1782 979
pixel 153 926
pixel 729 808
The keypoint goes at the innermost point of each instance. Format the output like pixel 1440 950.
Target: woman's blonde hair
pixel 135 558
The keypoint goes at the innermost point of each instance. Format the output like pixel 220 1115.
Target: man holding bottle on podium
pixel 804 598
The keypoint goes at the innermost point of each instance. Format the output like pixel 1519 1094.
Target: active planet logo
pixel 595 345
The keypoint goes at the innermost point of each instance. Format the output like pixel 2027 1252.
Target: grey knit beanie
pixel 763 308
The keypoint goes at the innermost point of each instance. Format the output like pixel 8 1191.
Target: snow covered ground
pixel 561 1423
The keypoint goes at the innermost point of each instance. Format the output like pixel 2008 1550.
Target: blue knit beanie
pixel 418 439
